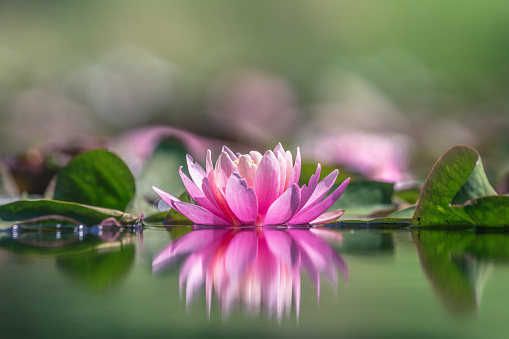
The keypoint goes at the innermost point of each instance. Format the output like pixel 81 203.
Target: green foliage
pixel 365 197
pixel 367 243
pixel 99 270
pixel 162 169
pixel 46 244
pixel 178 231
pixel 96 178
pixel 87 215
pixel 492 211
pixel 455 178
pixel 443 259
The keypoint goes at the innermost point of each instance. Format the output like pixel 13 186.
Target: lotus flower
pixel 256 267
pixel 251 189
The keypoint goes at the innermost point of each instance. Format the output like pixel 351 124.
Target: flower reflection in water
pixel 253 267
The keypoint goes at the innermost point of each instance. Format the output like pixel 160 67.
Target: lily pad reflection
pixel 97 258
pixel 458 263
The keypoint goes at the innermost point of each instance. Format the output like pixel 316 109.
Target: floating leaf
pixel 491 211
pixel 308 169
pixel 87 215
pixel 379 223
pixel 365 197
pixel 408 195
pixel 96 178
pixel 456 177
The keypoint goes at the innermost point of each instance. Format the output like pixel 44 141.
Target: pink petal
pixel 256 156
pixel 196 172
pixel 295 174
pixel 308 190
pixel 284 207
pixel 216 192
pixel 279 150
pixel 199 196
pixel 305 216
pixel 289 167
pixel 241 251
pixel 247 169
pixel 198 214
pixel 232 155
pixel 282 173
pixel 224 168
pixel 167 197
pixel 322 188
pixel 241 199
pixel 328 217
pixel 266 182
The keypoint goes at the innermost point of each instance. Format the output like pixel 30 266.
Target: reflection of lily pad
pixel 99 269
pixel 456 275
pixel 367 243
pixel 48 244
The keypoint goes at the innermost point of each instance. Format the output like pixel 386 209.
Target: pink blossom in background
pixel 256 189
pixel 258 268
pixel 383 157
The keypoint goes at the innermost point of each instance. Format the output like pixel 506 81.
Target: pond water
pixel 174 282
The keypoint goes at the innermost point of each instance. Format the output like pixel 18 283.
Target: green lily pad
pixel 378 223
pixel 87 215
pixel 96 178
pixel 365 197
pixel 456 177
pixel 491 211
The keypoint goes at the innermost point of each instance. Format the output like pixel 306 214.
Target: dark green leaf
pixel 379 223
pixel 456 177
pixel 491 211
pixel 87 215
pixel 308 169
pixel 96 178
pixel 365 197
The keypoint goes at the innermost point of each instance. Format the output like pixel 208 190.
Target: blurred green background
pixel 413 77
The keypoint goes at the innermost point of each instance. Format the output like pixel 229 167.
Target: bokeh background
pixel 379 87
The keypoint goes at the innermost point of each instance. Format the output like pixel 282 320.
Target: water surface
pixel 271 283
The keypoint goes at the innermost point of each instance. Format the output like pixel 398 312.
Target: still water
pixel 300 283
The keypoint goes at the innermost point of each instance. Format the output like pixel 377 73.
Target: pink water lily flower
pixel 251 189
